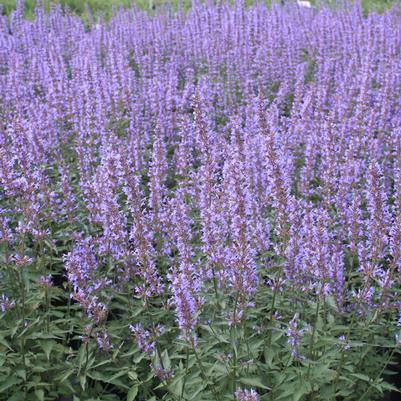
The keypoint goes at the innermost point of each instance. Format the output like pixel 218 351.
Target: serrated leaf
pixel 175 386
pixel 132 375
pixel 9 382
pixel 65 376
pixel 132 393
pixel 390 387
pixel 139 358
pixel 17 396
pixel 5 343
pixel 254 382
pixel 269 355
pixel 166 359
pixel 361 376
pixel 47 347
pixel 21 373
pixel 304 389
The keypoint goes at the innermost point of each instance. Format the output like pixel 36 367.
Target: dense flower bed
pixel 200 206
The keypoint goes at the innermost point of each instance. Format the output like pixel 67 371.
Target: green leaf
pixel 132 375
pixel 166 359
pixel 139 358
pixel 196 393
pixel 40 368
pixel 9 382
pixel 304 389
pixel 360 376
pixel 220 368
pixel 331 302
pixel 175 386
pixel 254 382
pixel 269 355
pixel 40 394
pixel 65 376
pixel 17 396
pixel 47 347
pixel 276 336
pixel 256 344
pixel 132 393
pixel 345 392
pixel 389 387
pixel 82 381
pixel 5 343
pixel 21 373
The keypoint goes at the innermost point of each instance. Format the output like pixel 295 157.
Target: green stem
pixel 47 310
pixel 378 375
pixel 270 334
pixel 203 373
pixel 342 360
pixel 186 375
pixel 23 351
pixel 158 351
pixel 87 349
pixel 312 341
pixel 286 366
pixel 68 318
pixel 233 335
pixel 20 275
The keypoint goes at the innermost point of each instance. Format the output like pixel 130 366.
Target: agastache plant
pixel 200 203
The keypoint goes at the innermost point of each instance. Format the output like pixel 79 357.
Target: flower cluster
pixel 246 395
pixel 6 304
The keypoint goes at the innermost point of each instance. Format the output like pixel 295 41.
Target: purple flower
pixel 46 281
pixel 180 158
pixel 344 344
pixel 103 341
pixel 6 304
pixel 246 395
pixel 143 338
pixel 162 373
pixel 294 337
pixel 186 301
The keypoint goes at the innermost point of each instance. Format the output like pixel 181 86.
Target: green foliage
pixel 52 350
pixel 77 6
pixel 105 6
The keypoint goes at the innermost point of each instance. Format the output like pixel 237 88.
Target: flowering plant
pixel 200 206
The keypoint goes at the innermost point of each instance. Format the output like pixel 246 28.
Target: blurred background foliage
pixel 106 6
